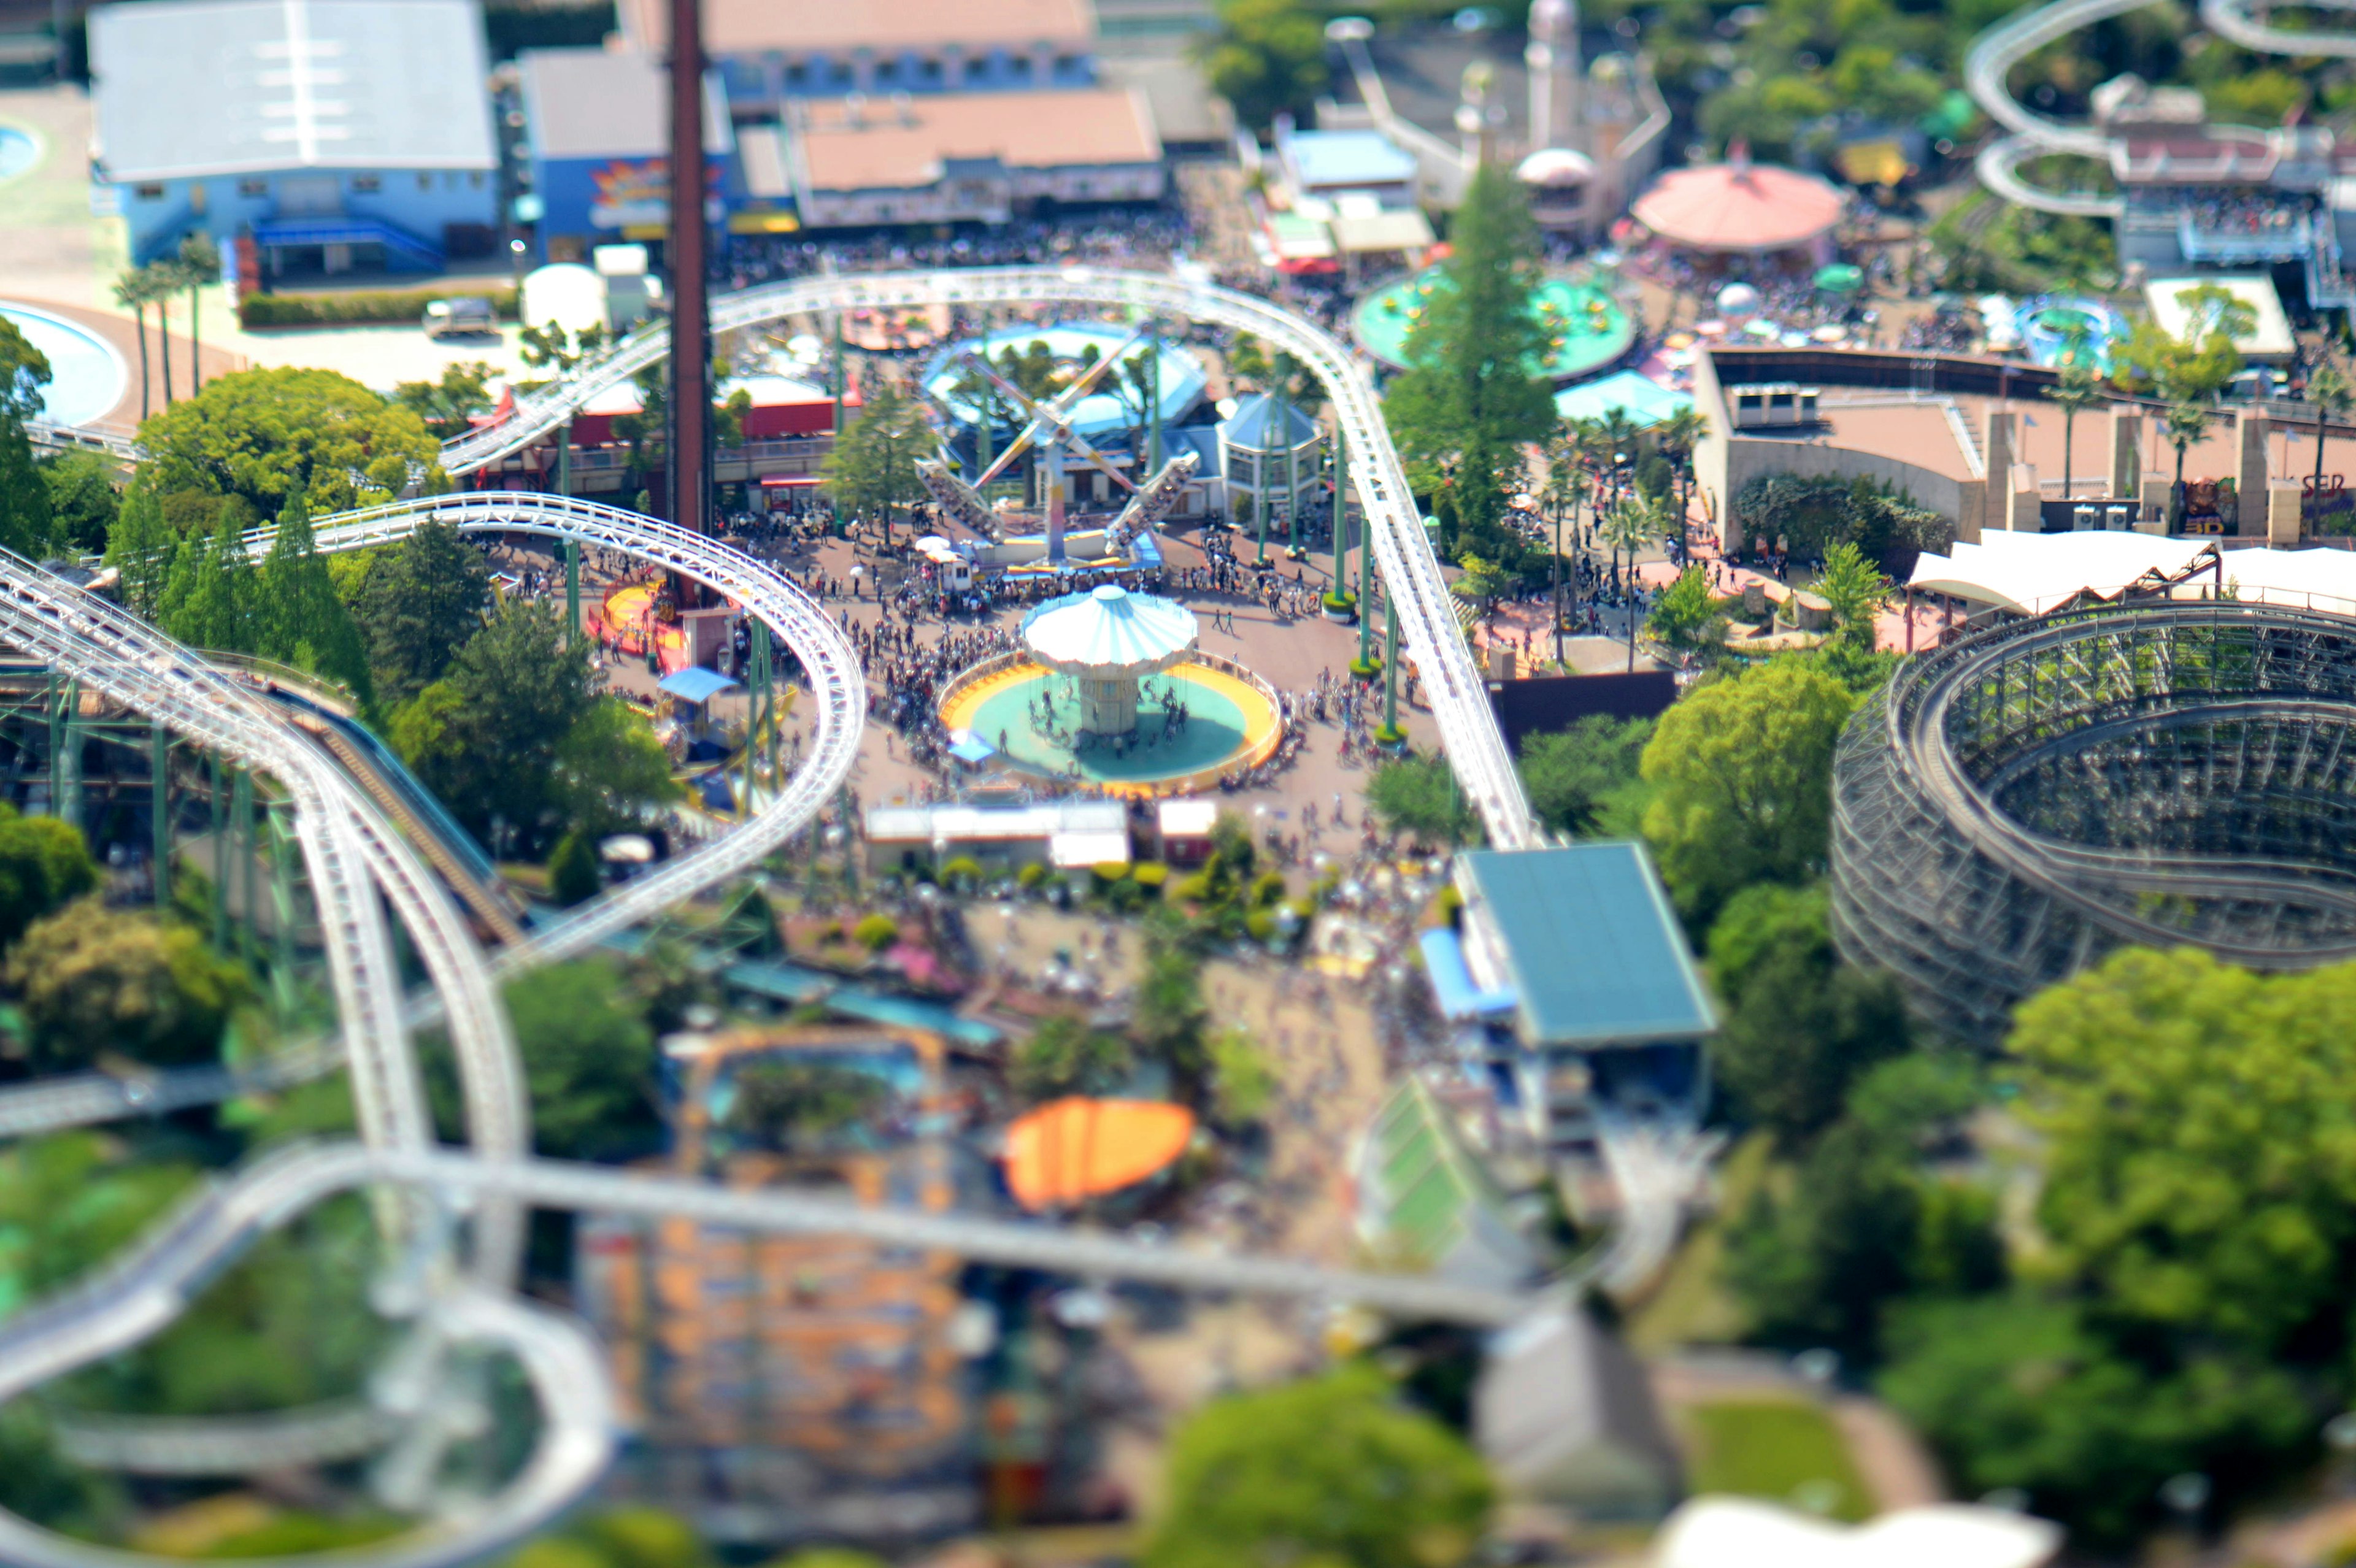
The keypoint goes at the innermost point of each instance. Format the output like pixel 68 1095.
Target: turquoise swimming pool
pixel 86 375
pixel 19 151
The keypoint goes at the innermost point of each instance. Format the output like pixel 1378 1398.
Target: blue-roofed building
pixel 1575 974
pixel 1260 454
pixel 1328 164
pixel 334 133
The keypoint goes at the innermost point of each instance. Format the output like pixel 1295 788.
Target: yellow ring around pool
pixel 1263 727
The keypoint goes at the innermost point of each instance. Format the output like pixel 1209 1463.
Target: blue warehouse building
pixel 598 134
pixel 334 133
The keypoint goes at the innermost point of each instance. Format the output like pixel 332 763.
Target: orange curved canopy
pixel 1075 1148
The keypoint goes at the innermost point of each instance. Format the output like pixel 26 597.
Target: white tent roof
pixel 1109 629
pixel 1736 1533
pixel 2032 574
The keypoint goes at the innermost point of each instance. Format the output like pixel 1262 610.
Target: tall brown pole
pixel 690 326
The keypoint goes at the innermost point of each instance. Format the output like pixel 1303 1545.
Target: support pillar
pixel 68 804
pixel 572 591
pixel 565 459
pixel 761 712
pixel 1390 734
pixel 1153 405
pixel 1340 597
pixel 1292 478
pixel 241 809
pixel 282 916
pixel 1364 667
pixel 159 831
pixel 219 822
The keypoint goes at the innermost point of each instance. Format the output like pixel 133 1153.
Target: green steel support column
pixel 159 832
pixel 1292 472
pixel 1390 734
pixel 1341 517
pixel 56 705
pixel 69 808
pixel 840 376
pixel 565 459
pixel 572 591
pixel 1153 404
pixel 984 435
pixel 761 712
pixel 241 809
pixel 1365 665
pixel 281 912
pixel 217 820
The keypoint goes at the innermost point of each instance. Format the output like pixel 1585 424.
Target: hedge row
pixel 401 307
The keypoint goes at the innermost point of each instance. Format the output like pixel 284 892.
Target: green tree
pixel 1332 1470
pixel 24 504
pixel 83 503
pixel 611 772
pixel 872 467
pixel 2023 1390
pixel 1482 581
pixel 551 347
pixel 199 263
pixel 1065 1056
pixel 1267 58
pixel 212 601
pixel 788 1105
pixel 1799 1026
pixel 1473 396
pixel 268 434
pixel 133 291
pixel 141 548
pixel 1167 1018
pixel 93 980
pixel 419 601
pixel 1741 776
pixel 2185 424
pixel 487 741
pixel 1854 590
pixel 590 1059
pixel 2194 368
pixel 43 866
pixel 2078 391
pixel 573 874
pixel 446 406
pixel 1418 794
pixel 1586 782
pixel 2332 395
pixel 302 621
pixel 1687 619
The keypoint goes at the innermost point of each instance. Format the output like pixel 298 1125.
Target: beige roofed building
pixel 971 157
pixel 794 26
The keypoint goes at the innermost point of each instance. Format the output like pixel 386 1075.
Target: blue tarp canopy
pixel 973 749
pixel 1452 982
pixel 695 684
pixel 1646 401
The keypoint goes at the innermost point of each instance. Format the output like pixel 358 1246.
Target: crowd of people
pixel 1121 237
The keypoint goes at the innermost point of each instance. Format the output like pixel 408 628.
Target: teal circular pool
pixel 19 151
pixel 1035 725
pixel 86 375
pixel 1586 328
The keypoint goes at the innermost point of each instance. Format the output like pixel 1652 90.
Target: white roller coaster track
pixel 341 831
pixel 1410 572
pixel 1990 62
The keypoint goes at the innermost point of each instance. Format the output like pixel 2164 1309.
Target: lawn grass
pixel 1690 1305
pixel 1784 1450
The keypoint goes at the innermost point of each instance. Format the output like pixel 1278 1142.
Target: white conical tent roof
pixel 1109 631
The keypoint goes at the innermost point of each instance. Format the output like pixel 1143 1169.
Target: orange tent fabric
pixel 1075 1148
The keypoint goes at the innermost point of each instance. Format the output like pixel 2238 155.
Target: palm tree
pixel 2333 395
pixel 130 292
pixel 1633 523
pixel 162 281
pixel 200 264
pixel 1681 435
pixel 2079 389
pixel 1566 485
pixel 2187 422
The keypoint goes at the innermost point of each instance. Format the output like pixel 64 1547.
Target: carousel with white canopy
pixel 1108 640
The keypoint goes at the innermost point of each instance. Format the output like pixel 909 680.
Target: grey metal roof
pixel 1596 956
pixel 608 103
pixel 221 87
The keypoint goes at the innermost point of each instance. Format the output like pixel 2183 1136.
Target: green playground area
pixel 1586 327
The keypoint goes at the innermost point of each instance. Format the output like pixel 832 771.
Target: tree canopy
pixel 1586 781
pixel 419 603
pixel 1472 395
pixel 1417 793
pixel 93 980
pixel 1742 778
pixel 872 467
pixel 590 1059
pixel 1267 58
pixel 487 737
pixel 26 519
pixel 266 435
pixel 1331 1470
